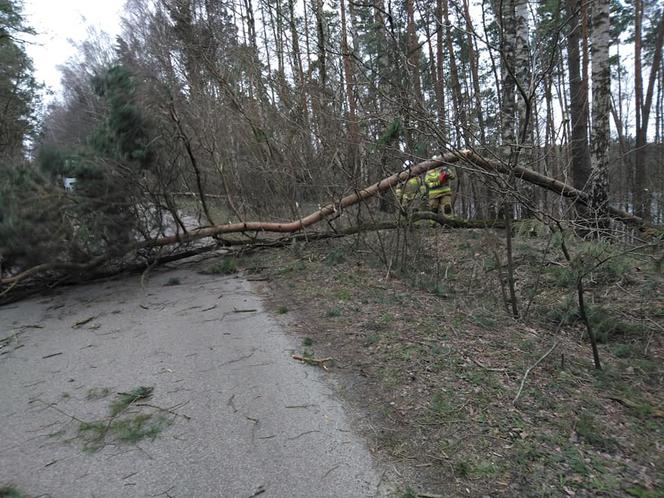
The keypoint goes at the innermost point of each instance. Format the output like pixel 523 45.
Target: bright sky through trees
pixel 62 24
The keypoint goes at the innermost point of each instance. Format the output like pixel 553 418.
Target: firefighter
pixel 439 190
pixel 409 194
pixel 430 191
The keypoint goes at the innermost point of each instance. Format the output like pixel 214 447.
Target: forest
pixel 262 126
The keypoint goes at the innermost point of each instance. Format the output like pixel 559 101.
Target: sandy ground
pixel 261 424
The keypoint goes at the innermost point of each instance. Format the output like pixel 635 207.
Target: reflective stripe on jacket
pixel 432 179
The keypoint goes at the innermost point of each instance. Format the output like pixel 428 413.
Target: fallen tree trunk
pixel 334 208
pixel 386 184
pixel 549 183
pixel 83 273
pixel 382 186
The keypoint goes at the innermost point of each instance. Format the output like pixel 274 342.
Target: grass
pixel 343 295
pixel 485 320
pixel 409 493
pixel 282 310
pixel 641 492
pixel 139 427
pixel 442 405
pixel 588 430
pixel 462 469
pixel 335 257
pixel 606 325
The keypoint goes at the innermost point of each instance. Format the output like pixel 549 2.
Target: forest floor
pixel 432 360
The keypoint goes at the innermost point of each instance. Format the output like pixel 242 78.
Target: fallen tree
pixel 300 225
pixel 386 184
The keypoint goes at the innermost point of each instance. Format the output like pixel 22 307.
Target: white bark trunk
pixel 601 78
pixel 522 63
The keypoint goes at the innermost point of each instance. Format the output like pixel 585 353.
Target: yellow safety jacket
pixel 438 182
pixel 435 183
pixel 410 190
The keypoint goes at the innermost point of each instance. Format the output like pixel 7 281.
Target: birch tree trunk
pixel 601 77
pixel 522 67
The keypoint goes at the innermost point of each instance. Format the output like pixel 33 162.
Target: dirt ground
pixel 434 363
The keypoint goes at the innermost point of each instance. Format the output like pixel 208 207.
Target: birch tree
pixel 601 81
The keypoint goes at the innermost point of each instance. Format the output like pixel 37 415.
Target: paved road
pixel 260 423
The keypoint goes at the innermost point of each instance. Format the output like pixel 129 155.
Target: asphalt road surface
pixel 239 417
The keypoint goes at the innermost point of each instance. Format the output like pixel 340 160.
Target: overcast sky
pixel 58 23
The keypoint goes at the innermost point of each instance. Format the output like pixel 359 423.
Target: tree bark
pixel 474 72
pixel 353 127
pixel 643 106
pixel 440 73
pixel 601 111
pixel 412 46
pixel 578 102
pixel 459 110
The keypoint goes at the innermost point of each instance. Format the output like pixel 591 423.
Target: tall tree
pixel 643 105
pixel 601 78
pixel 578 101
pixel 349 73
pixel 18 89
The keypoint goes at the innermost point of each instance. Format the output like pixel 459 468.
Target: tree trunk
pixel 440 73
pixel 508 32
pixel 459 111
pixel 640 203
pixel 601 111
pixel 321 40
pixel 643 106
pixel 413 59
pixel 578 102
pixel 349 75
pixel 472 59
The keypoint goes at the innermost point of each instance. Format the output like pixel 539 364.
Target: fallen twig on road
pixel 319 362
pixel 84 321
pixel 51 355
